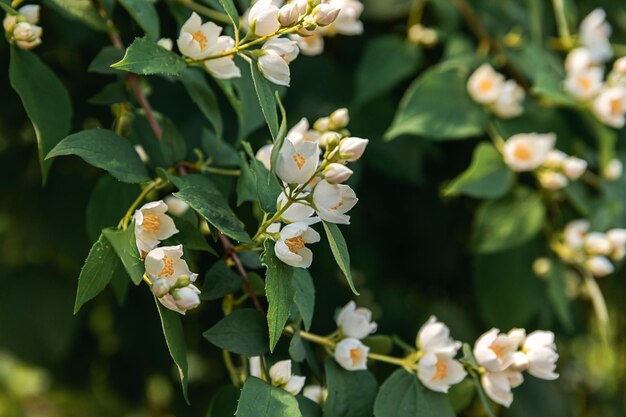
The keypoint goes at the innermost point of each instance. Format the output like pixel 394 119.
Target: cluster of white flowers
pixel 504 356
pixel 312 166
pixel 585 72
pixel 280 375
pixel 22 28
pixel 504 98
pixel 354 324
pixel 171 280
pixel 535 152
pixel 593 251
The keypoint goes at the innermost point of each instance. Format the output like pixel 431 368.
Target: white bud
pixel 166 43
pixel 295 384
pixel 613 170
pixel 263 18
pixel 336 173
pixel 30 12
pixel 322 124
pixel 599 266
pixel 339 118
pixel 552 180
pixel 554 160
pixel 574 167
pixel 175 205
pixel 26 35
pixel 422 35
pixel 274 68
pixel 289 14
pixel 620 66
pixel 325 14
pixel 352 148
pixel 160 287
pixel 541 267
pixel 9 22
pixel 280 372
pixel 142 153
pixel 597 244
pixel 264 154
pixel 314 393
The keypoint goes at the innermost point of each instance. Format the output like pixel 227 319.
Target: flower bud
pixel 160 287
pixel 9 23
pixel 599 266
pixel 142 153
pixel 613 170
pixel 352 148
pixel 574 167
pixel 263 18
pixel 322 124
pixel 165 43
pixel 330 139
pixel 325 14
pixel 554 160
pixel 295 384
pixel 541 267
pixel 337 173
pixel 280 372
pixel 264 154
pixel 26 35
pixel 597 244
pixel 339 118
pixel 182 281
pixel 422 35
pixel 289 14
pixel 187 297
pixel 620 66
pixel 175 205
pixel 30 12
pixel 274 68
pixel 552 180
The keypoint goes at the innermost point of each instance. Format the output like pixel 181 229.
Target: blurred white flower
pixel 290 247
pixel 434 337
pixel 494 350
pixel 578 60
pixel 584 84
pixel 439 371
pixel 510 102
pixel 152 225
pixel 347 21
pixel 574 167
pixel 594 35
pixel 264 154
pixel 27 35
pixel 254 366
pixel 309 45
pixel 575 232
pixel 554 160
pixel 356 322
pixel 351 354
pixel 315 393
pixel 610 106
pixel 263 18
pixel 527 151
pixel 540 350
pixel 175 205
pixel 333 201
pixel 339 119
pixel 597 243
pixel 599 266
pixel 613 170
pixel 142 153
pixel 498 385
pixel 290 13
pixel 485 84
pixel 297 161
pixel 552 180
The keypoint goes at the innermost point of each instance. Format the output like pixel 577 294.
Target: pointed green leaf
pixel 123 242
pixel 145 57
pixel 350 393
pixel 107 56
pixel 81 10
pixel 304 295
pixel 260 399
pixel 340 251
pixel 279 292
pixel 145 14
pixel 231 11
pixel 557 293
pixel 204 97
pixel 267 188
pixel 108 203
pixel 220 281
pixel 265 94
pixel 243 332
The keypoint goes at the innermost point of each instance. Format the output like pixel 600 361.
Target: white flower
pixel 166 43
pixel 142 153
pixel 575 232
pixel 301 132
pixel 290 13
pixel 27 35
pixel 295 384
pixel 434 337
pixel 540 350
pixel 160 287
pixel 509 103
pixel 336 173
pixel 152 225
pixel 309 45
pixel 594 35
pixel 263 18
pixel 356 322
pixel 223 68
pixel 485 84
pixel 264 155
pixel 574 167
pixel 617 237
pixel 578 60
pixel 599 266
pixel 527 151
pixel 554 160
pixel 618 74
pixel 297 212
pixel 29 12
pixel 597 243
pixel 324 14
pixel 297 161
pixel 166 262
pixel 347 21
pixel 175 205
pixel 610 106
pixel 314 393
pixel 613 170
pixel 8 23
pixel 285 48
pixel 498 385
pixel 352 148
pixel 340 118
pixel 254 366
pixel 182 299
pixel 274 68
pixel 351 354
pixel 584 84
pixel 494 350
pixel 438 371
pixel 332 201
pixel 290 247
pixel 280 372
pixel 552 180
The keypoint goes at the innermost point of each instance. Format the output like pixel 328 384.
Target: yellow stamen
pixel 616 106
pixel 151 223
pixel 295 244
pixel 336 206
pixel 299 159
pixel 522 152
pixel 199 37
pixel 498 350
pixel 441 371
pixel 355 354
pixel 485 85
pixel 168 267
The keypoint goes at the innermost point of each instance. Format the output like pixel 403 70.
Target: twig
pixel 230 252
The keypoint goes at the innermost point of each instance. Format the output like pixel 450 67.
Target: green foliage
pixel 340 251
pixel 145 57
pixel 145 15
pixel 260 399
pixel 265 94
pixel 81 10
pixel 123 242
pixel 304 296
pixel 262 181
pixel 219 281
pixel 243 332
pixel 231 10
pixel 279 290
pixel 201 94
pixel 350 393
pixel 107 56
pixel 175 339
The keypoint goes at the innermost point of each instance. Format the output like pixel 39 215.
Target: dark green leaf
pixel 219 281
pixel 487 177
pixel 145 14
pixel 190 237
pixel 108 203
pixel 81 10
pixel 308 408
pixel 265 94
pixel 260 399
pixel 204 97
pixel 172 143
pixel 340 251
pixel 246 183
pixel 508 222
pixel 231 11
pixel 297 351
pixel 267 188
pixel 304 295
pixel 123 242
pixel 104 149
pixel 282 132
pixel 45 100
pixel 557 293
pixel 145 57
pixel 107 56
pixel 279 291
pixel 110 94
pixel 224 402
pixel 120 283
pixel 243 332
pixel 350 393
pixel 222 153
pixel 175 339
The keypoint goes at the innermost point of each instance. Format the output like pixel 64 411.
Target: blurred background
pixel 409 245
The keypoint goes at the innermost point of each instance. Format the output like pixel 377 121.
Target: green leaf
pixel 282 132
pixel 279 292
pixel 97 272
pixel 266 98
pixel 304 295
pixel 219 150
pixel 436 106
pixel 224 402
pixel 350 393
pixel 203 196
pixel 45 100
pixel 204 97
pixel 549 85
pixel 243 332
pixel 107 56
pixel 267 188
pixel 297 351
pixel 145 14
pixel 340 251
pixel 246 183
pixel 260 399
pixel 173 145
pixel 120 283
pixel 81 10
pixel 508 222
pixel 175 339
pixel 308 408
pixel 108 203
pixel 123 242
pixel 104 149
pixel 386 61
pixel 231 11
pixel 219 281
pixel 145 57
pixel 112 93
pixel 190 237
pixel 487 177
pixel 402 395
pixel 557 293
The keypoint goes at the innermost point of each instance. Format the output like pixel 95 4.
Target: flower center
pixel 336 207
pixel 151 223
pixel 441 371
pixel 299 159
pixel 498 350
pixel 585 83
pixel 168 267
pixel 616 106
pixel 355 354
pixel 199 37
pixel 295 244
pixel 485 86
pixel 522 152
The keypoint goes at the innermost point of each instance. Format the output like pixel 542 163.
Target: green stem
pixel 221 171
pixel 232 370
pixel 129 213
pixel 561 22
pixel 241 47
pixel 206 11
